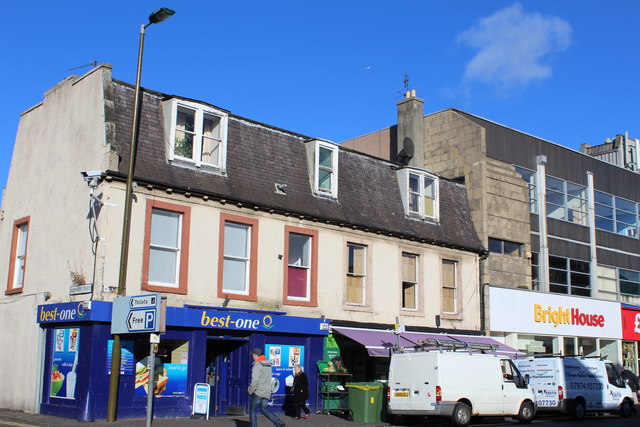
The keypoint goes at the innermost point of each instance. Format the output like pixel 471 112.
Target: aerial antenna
pixel 401 93
pixel 90 64
pixel 405 81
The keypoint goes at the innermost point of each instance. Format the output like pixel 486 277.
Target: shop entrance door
pixel 228 373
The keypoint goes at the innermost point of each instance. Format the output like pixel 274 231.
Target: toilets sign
pixel 137 314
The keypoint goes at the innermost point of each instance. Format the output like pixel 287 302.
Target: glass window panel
pixel 603 199
pixel 414 183
pixel 495 245
pixel 324 180
pixel 558 289
pixel 210 151
pixel 555 184
pixel 408 295
pixel 429 206
pixel 579 266
pixel 627 218
pixel 326 156
pixel 604 224
pixel 23 231
pixel 604 211
pixel 449 273
pixel 555 198
pixel 526 174
pixel 554 211
pixel 625 205
pixel 299 246
pixel 409 268
pixel 211 126
pixel 429 188
pixel 557 262
pixel 582 292
pixel 607 272
pixel 626 230
pixel 185 119
pixel 629 288
pixel 354 289
pixel 513 249
pixel 534 258
pixel 414 202
pixel 236 240
pixel 234 275
pixel 606 285
pixel 184 145
pixel 165 228
pixel 162 265
pixel 448 300
pixel 356 260
pixel 297 282
pixel 576 190
pixel 629 275
pixel 557 276
pixel 580 280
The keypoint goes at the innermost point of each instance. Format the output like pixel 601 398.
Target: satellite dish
pixel 407 151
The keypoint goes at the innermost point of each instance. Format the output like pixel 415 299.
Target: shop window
pixel 538 344
pixel 171 368
pixel 356 273
pixel 609 350
pixel 301 268
pixel 629 356
pixel 588 347
pixel 166 247
pixel 237 266
pixel 449 287
pixel 409 281
pixel 18 256
pixel 569 346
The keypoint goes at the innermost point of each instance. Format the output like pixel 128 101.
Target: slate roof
pixel 258 156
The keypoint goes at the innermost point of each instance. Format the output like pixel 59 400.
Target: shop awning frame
pixel 379 342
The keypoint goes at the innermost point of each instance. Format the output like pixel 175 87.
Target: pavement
pixel 23 419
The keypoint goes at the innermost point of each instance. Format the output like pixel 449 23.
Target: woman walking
pixel 300 392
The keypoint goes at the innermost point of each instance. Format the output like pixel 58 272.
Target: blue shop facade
pixel 201 345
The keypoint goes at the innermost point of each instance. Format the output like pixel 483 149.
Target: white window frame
pixel 171 115
pixel 246 259
pixel 21 255
pixel 177 250
pixel 333 191
pixel 404 177
pixel 415 284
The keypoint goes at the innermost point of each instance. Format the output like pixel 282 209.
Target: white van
pixel 457 384
pixel 577 385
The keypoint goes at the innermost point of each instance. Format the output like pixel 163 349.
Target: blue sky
pixel 567 71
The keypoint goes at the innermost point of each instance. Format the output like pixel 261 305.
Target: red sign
pixel 631 324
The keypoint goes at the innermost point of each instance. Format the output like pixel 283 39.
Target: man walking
pixel 260 389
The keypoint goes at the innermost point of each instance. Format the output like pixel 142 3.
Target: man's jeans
pixel 257 401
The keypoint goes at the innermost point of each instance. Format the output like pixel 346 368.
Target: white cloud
pixel 514 47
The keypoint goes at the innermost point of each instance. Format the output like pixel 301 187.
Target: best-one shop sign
pixel 531 312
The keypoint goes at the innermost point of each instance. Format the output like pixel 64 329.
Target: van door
pixel 511 387
pixel 615 389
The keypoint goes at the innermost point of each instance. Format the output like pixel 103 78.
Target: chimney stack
pixel 411 130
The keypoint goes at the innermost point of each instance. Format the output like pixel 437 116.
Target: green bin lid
pixel 365 386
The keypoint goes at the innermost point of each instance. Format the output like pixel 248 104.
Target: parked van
pixel 577 385
pixel 457 382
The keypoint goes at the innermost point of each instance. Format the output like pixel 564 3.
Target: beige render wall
pixel 384 274
pixel 56 140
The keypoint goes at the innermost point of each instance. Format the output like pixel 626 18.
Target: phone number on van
pixel 585 386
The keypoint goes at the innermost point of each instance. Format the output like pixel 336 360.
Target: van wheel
pixel 525 414
pixel 578 411
pixel 626 409
pixel 461 415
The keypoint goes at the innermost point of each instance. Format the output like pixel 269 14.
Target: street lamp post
pixel 114 381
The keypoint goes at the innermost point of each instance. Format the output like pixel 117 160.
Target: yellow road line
pixel 11 423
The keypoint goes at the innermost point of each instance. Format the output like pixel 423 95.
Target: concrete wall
pixel 56 140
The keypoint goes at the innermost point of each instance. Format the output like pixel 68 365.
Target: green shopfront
pixel 201 345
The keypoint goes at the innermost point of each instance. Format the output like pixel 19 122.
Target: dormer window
pixel 196 133
pixel 323 165
pixel 419 193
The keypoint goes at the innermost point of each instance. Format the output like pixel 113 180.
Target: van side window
pixel 507 370
pixel 613 376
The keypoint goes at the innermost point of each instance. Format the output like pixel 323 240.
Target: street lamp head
pixel 160 15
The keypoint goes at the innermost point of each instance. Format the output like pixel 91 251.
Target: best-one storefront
pixel 200 345
pixel 537 322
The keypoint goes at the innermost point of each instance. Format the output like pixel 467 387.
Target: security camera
pixel 92 177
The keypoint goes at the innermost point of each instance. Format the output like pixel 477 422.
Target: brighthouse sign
pixel 514 310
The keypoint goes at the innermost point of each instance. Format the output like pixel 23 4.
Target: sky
pixel 566 71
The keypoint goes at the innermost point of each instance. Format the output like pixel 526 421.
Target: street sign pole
pixel 152 381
